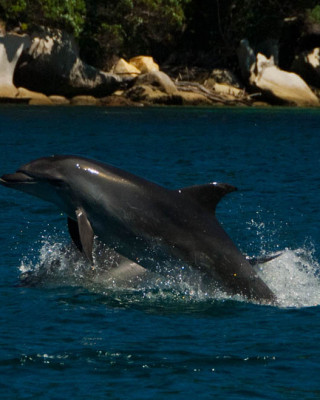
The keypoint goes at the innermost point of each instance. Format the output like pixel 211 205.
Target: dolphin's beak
pixel 17 178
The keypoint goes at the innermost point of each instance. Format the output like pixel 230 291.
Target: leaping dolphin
pixel 141 220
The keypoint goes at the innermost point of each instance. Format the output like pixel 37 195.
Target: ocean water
pixel 73 333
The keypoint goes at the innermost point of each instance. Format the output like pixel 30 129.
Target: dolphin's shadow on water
pixel 118 282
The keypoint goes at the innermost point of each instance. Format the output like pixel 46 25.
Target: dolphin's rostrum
pixel 141 220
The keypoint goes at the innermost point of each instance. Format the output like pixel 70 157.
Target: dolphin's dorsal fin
pixel 81 233
pixel 209 195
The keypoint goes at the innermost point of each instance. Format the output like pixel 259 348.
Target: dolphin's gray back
pixel 142 220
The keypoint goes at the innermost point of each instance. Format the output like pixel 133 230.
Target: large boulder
pixel 11 47
pixel 159 80
pixel 136 66
pixel 52 65
pixel 154 88
pixel 282 85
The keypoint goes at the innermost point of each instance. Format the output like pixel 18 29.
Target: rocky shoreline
pixel 45 69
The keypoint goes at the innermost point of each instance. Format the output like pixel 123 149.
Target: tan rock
pixel 147 94
pixel 193 99
pixel 40 102
pixel 118 101
pixel 59 100
pixel 283 85
pixel 229 91
pixel 35 98
pixel 26 93
pixel 125 69
pixel 8 91
pixel 144 64
pixel 261 104
pixel 85 101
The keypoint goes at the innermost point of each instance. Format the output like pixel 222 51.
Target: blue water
pixel 69 336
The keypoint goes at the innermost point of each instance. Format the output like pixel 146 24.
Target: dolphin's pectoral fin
pixel 81 233
pixel 85 233
pixel 74 233
pixel 209 195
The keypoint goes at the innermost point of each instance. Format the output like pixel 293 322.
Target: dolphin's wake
pixel 293 276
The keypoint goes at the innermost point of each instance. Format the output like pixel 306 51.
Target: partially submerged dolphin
pixel 141 220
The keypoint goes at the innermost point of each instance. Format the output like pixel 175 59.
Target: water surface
pixel 72 337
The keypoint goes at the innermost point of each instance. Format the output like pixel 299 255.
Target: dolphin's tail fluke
pixel 262 260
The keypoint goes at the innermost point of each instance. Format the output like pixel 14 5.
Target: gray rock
pixel 147 94
pixel 158 80
pixel 225 76
pixel 52 65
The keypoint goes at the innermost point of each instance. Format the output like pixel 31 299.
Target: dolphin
pixel 142 220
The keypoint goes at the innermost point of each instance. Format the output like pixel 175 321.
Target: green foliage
pixel 12 8
pixel 130 27
pixel 158 27
pixel 314 14
pixel 67 14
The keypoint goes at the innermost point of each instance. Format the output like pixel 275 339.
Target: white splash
pixel 293 276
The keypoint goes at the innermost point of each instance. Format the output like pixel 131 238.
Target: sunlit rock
pixel 84 101
pixel 34 98
pixel 11 47
pixel 144 64
pixel 124 68
pixel 59 100
pixel 192 99
pixel 283 85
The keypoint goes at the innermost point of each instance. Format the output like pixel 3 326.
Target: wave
pixel 293 276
